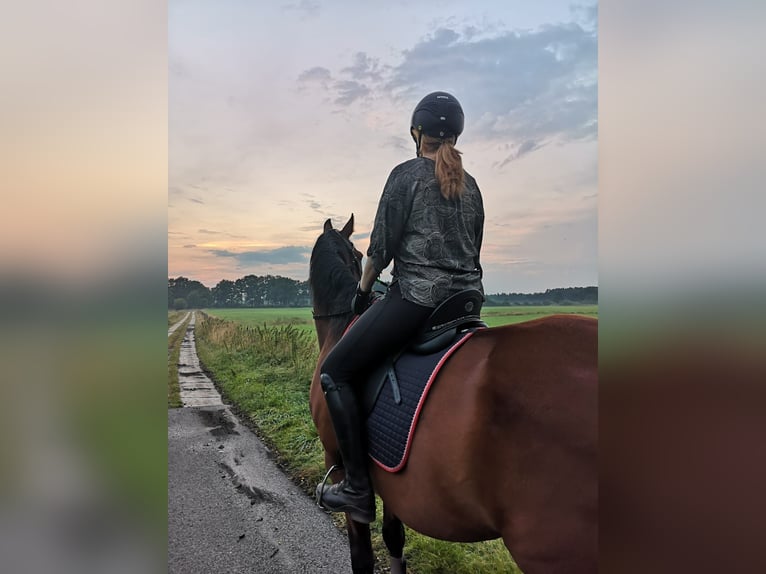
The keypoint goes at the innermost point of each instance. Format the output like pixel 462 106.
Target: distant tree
pixel 282 291
pixel 303 295
pixel 225 294
pixel 182 287
pixel 179 303
pixel 198 299
pixel 251 290
pixel 559 296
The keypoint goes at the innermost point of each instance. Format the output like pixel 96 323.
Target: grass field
pixel 300 317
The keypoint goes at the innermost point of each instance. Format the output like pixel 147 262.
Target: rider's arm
pixel 369 275
pixel 387 230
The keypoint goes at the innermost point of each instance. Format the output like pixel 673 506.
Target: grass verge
pixel 174 317
pixel 265 372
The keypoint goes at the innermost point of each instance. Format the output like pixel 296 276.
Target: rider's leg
pixel 382 330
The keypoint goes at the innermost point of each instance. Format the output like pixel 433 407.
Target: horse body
pixel 505 446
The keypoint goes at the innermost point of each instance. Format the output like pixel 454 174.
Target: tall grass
pixel 301 318
pixel 174 317
pixel 265 372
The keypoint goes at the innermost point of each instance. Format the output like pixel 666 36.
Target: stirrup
pixel 320 491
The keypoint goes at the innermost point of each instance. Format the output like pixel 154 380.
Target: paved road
pixel 231 509
pixel 197 390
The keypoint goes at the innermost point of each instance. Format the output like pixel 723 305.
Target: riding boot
pixel 354 493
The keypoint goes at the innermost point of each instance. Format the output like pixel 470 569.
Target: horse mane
pixel 331 281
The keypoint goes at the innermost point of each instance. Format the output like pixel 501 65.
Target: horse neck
pixel 329 333
pixel 329 325
pixel 323 332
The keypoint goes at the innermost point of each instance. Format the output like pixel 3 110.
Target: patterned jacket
pixel 434 242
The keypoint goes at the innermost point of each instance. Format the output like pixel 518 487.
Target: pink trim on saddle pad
pixel 422 400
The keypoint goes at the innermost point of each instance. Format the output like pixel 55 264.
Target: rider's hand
pixel 363 299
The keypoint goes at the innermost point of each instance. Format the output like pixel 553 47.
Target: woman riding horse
pixel 430 222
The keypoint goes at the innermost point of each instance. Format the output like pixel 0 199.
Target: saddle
pixel 456 315
pixel 459 312
pixel 396 390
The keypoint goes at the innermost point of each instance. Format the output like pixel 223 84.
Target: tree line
pixel 559 296
pixel 248 291
pixel 277 291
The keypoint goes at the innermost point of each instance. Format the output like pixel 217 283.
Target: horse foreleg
pixel 393 536
pixel 362 558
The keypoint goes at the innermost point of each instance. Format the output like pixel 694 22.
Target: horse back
pixel 508 435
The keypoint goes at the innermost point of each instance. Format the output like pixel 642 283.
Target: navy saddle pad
pixel 391 423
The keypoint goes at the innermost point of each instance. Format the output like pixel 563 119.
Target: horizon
pixel 486 292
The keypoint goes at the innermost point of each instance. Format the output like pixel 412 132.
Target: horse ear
pixel 348 229
pixel 328 225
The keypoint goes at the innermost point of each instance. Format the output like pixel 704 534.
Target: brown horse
pixel 506 444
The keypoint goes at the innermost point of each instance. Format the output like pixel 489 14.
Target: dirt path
pixel 230 508
pixel 174 327
pixel 197 390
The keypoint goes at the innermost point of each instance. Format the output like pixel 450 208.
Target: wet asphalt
pixel 232 510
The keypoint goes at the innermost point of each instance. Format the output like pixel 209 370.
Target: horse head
pixel 334 271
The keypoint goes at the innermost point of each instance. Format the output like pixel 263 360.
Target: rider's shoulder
pixel 412 167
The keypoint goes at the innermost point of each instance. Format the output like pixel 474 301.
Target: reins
pixel 331 315
pixel 341 313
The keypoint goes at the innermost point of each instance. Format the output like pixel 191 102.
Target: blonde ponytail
pixel 449 165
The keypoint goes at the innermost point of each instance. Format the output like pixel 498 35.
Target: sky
pixel 284 114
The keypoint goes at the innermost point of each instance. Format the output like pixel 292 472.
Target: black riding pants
pixel 381 331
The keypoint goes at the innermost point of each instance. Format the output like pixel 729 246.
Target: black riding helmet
pixel 438 115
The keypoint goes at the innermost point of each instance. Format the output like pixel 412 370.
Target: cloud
pixel 280 256
pixel 586 16
pixel 528 87
pixel 307 8
pixel 316 74
pixel 223 233
pixel 527 146
pixel 343 92
pixel 397 142
pixel 348 91
pixel 364 68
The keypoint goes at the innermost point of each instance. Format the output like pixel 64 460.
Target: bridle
pixel 355 265
pixel 330 315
